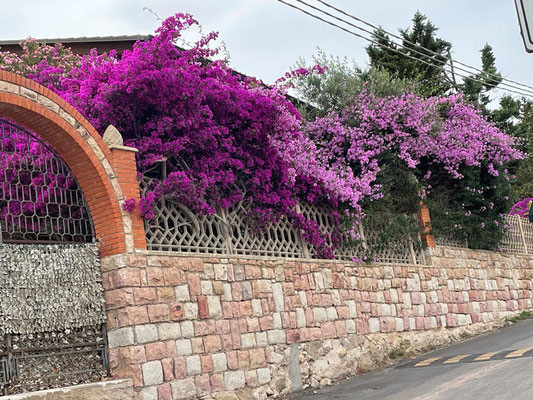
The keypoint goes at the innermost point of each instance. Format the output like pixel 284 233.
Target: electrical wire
pixel 414 44
pixel 526 94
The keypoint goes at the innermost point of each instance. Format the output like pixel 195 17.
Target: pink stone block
pixel 338 281
pixel 253 324
pixel 203 311
pixel 316 333
pixel 222 326
pixel 168 369
pixel 293 335
pixel 212 344
pixel 343 312
pixel 328 330
pixel 309 317
pixel 387 324
pixel 203 385
pixel 207 364
pixel 245 308
pixel 416 298
pixel 155 351
pixel 267 306
pixel 194 285
pixel 126 277
pixel 180 370
pixel 227 309
pixel 340 327
pixel 233 361
pixel 288 288
pixel 217 383
pixel 326 300
pixel 243 359
pixel 236 291
pixel 164 392
pixel 170 348
pixel 227 342
pixel 266 323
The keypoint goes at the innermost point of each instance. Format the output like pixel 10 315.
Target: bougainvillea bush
pixel 228 138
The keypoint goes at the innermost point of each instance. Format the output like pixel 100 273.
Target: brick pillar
pixel 425 225
pixel 123 160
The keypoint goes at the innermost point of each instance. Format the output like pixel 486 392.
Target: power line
pixel 414 44
pixel 528 94
pixel 443 63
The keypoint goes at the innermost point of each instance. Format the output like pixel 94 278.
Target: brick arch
pixel 106 176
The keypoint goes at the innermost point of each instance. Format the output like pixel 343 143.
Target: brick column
pixel 123 160
pixel 425 225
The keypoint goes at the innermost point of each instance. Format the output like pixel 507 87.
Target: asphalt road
pixel 507 374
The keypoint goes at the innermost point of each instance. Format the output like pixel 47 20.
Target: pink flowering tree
pixel 384 154
pixel 227 138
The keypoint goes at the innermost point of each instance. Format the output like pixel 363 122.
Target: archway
pixel 107 176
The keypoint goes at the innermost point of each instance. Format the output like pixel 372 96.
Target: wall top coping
pixel 124 148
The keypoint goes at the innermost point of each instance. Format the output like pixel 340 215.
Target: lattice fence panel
pixel 527 231
pixel 404 251
pixel 313 213
pixel 513 241
pixel 276 240
pixel 177 229
pixel 54 359
pixel 40 199
pixel 400 251
pixel 232 232
pixel 450 240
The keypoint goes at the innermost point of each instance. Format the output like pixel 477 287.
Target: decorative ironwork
pixel 40 199
pixel 55 359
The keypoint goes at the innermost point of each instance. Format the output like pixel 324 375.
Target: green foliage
pixel 386 55
pixel 521 317
pixel 515 116
pixel 471 208
pixel 340 85
pixel 476 87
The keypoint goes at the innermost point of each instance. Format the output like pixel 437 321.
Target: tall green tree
pixel 426 58
pixel 419 42
pixel 476 87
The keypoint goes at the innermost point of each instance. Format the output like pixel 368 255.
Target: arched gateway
pixel 61 187
pixel 106 174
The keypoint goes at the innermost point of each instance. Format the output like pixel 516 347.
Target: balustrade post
pixel 522 234
pixel 299 235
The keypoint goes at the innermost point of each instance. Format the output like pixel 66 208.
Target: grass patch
pixel 397 352
pixel 465 335
pixel 520 317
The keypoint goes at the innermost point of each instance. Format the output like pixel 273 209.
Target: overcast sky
pixel 265 38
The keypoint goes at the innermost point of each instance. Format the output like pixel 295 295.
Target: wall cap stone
pixel 116 384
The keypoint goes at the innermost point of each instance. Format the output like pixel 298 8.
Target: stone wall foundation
pixel 250 328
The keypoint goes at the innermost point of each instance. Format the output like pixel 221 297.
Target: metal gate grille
pixel 40 361
pixel 40 199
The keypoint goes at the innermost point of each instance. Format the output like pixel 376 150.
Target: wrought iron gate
pixel 43 214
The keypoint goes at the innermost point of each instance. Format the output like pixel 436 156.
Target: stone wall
pixel 185 327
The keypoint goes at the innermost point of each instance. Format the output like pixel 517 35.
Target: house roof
pixel 82 45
